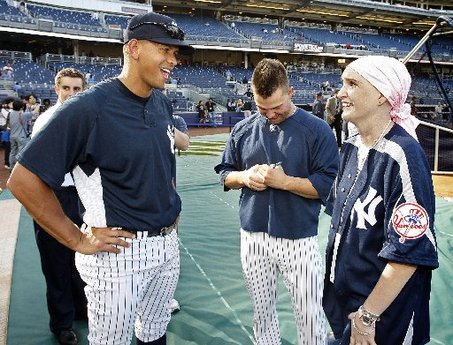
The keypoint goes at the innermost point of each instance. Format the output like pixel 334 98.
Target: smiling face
pixel 32 100
pixel 155 63
pixel 359 98
pixel 277 107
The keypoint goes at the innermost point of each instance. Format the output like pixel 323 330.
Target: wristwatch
pixel 368 319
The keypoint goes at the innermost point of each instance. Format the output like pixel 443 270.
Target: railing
pixel 60 58
pixel 388 7
pixel 13 55
pixel 448 143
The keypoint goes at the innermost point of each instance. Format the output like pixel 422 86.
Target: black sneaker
pixel 67 337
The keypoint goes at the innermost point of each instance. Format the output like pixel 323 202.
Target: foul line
pixel 217 291
pixel 225 202
pixel 211 284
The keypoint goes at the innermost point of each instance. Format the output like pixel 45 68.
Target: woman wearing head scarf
pixel 381 248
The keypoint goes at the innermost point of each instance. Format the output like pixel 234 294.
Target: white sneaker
pixel 174 306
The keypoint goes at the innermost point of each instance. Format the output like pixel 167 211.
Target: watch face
pixel 367 321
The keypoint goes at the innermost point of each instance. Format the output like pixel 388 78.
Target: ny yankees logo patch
pixel 410 221
pixel 371 201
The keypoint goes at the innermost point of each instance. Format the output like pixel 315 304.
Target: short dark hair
pixel 18 104
pixel 268 76
pixel 8 100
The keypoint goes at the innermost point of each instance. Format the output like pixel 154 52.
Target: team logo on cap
pixel 410 221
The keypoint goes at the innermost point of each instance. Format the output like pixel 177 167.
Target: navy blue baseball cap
pixel 157 28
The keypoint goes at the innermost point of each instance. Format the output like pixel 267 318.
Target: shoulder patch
pixel 410 221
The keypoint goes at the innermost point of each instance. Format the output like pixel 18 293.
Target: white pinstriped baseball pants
pixel 299 262
pixel 131 288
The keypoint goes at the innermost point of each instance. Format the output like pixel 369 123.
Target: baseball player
pixel 65 296
pixel 182 139
pixel 182 142
pixel 117 138
pixel 285 161
pixel 381 247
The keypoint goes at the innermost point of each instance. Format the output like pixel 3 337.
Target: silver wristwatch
pixel 368 319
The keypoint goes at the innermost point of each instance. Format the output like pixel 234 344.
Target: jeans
pixel 17 144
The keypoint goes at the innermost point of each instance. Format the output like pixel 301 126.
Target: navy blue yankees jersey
pixel 383 212
pixel 306 147
pixel 104 136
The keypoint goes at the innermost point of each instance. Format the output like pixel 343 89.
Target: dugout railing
pixel 437 142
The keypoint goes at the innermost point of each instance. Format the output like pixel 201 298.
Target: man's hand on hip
pixel 103 240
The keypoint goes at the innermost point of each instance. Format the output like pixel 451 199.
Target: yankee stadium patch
pixel 410 221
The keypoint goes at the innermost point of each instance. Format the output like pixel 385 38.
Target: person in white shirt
pixel 66 299
pixel 438 111
pixel 8 71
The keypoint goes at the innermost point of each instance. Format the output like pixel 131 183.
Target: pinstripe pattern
pixel 131 288
pixel 90 192
pixel 263 258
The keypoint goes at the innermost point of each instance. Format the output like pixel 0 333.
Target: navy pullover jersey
pixel 306 147
pixel 120 150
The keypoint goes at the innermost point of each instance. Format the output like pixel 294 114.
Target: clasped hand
pixel 261 176
pixel 104 240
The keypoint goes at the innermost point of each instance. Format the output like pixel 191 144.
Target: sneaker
pixel 67 337
pixel 174 306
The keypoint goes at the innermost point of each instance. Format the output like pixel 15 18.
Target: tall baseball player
pixel 382 247
pixel 66 299
pixel 285 161
pixel 117 138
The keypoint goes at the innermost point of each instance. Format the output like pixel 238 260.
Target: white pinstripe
pixel 133 287
pixel 90 190
pixel 263 258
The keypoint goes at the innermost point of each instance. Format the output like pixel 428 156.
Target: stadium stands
pixel 64 18
pixel 200 28
pixel 115 20
pixel 219 82
pixel 228 32
pixel 7 10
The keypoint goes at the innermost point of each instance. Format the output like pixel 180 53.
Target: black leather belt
pixel 166 230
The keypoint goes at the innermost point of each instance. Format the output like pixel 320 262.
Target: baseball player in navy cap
pixel 117 139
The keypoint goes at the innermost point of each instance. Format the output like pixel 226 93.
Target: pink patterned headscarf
pixel 392 79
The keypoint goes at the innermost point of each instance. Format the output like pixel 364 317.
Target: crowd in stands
pixel 225 83
pixel 228 30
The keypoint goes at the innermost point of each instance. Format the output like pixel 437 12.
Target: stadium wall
pixel 119 7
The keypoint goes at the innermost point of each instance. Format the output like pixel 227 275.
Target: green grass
pixel 204 148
